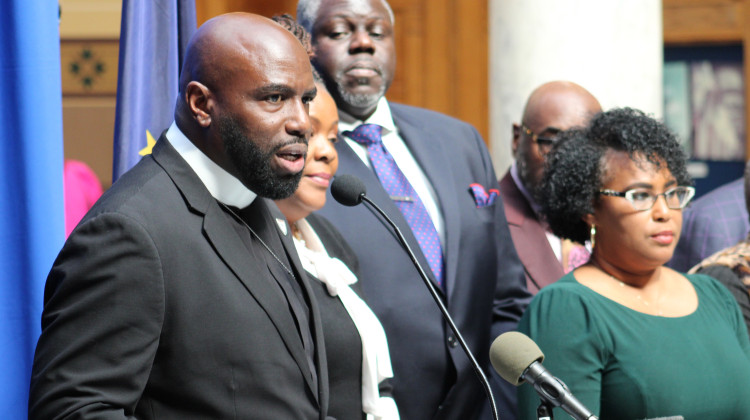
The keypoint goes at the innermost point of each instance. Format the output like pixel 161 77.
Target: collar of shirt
pixel 403 157
pixel 221 184
pixel 382 117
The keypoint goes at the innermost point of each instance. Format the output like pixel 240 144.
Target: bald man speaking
pixel 178 296
pixel 551 108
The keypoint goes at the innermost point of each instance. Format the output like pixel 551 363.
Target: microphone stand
pixel 544 411
pixel 441 306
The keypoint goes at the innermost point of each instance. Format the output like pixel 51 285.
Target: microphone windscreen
pixel 348 190
pixel 511 353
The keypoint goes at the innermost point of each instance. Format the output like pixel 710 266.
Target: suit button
pixel 452 342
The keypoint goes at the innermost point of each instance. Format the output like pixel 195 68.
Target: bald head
pixel 564 103
pixel 244 92
pixel 551 108
pixel 222 46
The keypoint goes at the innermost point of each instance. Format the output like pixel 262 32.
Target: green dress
pixel 623 364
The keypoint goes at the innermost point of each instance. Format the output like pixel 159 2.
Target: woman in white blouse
pixel 356 348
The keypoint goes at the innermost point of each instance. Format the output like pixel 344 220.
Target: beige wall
pixel 87 19
pixel 612 48
pixel 89 33
pixel 88 133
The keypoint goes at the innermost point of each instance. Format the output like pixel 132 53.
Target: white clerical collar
pixel 221 184
pixel 382 117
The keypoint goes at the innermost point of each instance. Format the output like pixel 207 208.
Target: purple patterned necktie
pixel 402 193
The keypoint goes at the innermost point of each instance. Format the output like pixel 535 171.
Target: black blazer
pixel 342 340
pixel 335 244
pixel 155 309
pixel 486 291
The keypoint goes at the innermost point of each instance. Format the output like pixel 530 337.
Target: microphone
pixel 350 191
pixel 518 359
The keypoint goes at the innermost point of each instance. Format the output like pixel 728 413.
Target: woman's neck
pixel 295 230
pixel 641 279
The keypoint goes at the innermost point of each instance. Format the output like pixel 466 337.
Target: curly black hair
pixel 290 24
pixel 575 168
pixel 287 21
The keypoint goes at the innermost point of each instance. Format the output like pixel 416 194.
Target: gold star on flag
pixel 150 142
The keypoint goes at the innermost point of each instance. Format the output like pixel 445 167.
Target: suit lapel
pixel 274 217
pixel 530 238
pixel 435 163
pixel 220 231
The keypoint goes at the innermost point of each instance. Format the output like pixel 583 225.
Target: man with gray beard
pixel 433 175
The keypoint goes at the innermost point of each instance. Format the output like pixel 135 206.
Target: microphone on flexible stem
pixel 350 191
pixel 517 358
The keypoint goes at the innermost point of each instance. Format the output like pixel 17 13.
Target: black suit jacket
pixel 156 309
pixel 342 340
pixel 486 291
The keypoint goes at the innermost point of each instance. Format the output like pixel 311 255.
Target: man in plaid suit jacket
pixel 713 222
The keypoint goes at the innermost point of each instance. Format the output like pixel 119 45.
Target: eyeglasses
pixel 545 143
pixel 643 199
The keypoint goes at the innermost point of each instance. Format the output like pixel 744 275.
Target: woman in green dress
pixel 631 338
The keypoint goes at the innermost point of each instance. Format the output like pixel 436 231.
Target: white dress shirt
pixel 222 185
pixel 396 146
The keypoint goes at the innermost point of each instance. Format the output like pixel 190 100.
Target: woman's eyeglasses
pixel 643 199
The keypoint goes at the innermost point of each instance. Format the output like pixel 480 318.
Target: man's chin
pixel 360 100
pixel 361 96
pixel 279 188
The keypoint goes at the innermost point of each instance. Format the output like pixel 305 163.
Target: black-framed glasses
pixel 643 199
pixel 545 143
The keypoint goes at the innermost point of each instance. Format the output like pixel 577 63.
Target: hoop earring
pixel 593 236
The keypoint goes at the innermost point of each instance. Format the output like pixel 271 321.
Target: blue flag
pixel 153 38
pixel 32 227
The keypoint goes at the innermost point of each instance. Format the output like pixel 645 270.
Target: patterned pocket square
pixel 481 197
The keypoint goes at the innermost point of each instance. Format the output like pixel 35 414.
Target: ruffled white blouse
pixel 376 360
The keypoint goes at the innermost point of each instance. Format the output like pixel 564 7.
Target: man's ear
pixel 516 138
pixel 200 102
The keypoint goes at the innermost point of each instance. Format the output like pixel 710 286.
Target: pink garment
pixel 81 188
pixel 577 257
